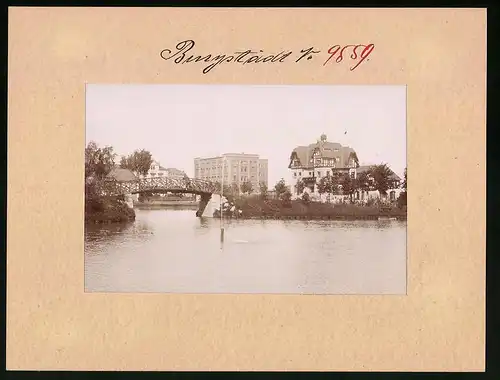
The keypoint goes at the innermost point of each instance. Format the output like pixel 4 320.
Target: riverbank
pixel 298 209
pixel 99 211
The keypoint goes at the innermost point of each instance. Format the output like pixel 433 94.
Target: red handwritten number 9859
pixel 358 53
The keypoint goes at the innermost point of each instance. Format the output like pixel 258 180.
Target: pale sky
pixel 177 123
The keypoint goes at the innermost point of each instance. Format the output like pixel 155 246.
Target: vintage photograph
pixel 250 189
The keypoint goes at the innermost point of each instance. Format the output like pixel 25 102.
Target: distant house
pixel 394 179
pixel 175 173
pixel 158 171
pixel 121 175
pixel 393 191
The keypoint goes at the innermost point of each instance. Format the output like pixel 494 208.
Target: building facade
pixel 159 171
pixel 310 163
pixel 233 168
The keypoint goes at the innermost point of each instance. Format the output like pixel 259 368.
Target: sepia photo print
pixel 245 189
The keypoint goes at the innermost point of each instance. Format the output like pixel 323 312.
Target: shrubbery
pixel 105 210
pixel 255 207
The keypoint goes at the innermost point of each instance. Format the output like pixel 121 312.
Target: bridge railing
pixel 111 187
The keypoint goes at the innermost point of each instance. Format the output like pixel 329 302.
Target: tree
pixel 227 192
pixel 246 187
pixel 280 188
pixel 218 187
pixel 329 184
pixel 362 181
pixel 235 189
pixel 324 185
pixel 138 162
pixel 263 190
pixel 348 185
pixel 300 186
pixel 98 161
pixel 286 198
pixel 123 162
pixel 403 196
pixel 381 178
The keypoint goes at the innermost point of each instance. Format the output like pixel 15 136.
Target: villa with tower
pixel 310 163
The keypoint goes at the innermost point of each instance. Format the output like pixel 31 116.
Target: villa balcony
pixel 309 179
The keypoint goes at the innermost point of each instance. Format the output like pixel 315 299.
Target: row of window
pixel 217 177
pixel 218 166
pixel 319 174
pixel 208 173
pixel 235 168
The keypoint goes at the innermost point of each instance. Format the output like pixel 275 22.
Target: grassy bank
pixel 298 209
pixel 108 211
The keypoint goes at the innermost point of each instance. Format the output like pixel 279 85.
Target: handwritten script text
pixel 182 54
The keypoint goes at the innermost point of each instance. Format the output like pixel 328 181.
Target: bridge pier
pixel 204 199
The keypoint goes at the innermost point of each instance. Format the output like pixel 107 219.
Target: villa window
pixel 295 174
pixel 319 174
pixel 300 173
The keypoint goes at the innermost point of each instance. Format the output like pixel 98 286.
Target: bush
pixel 306 198
pixel 286 198
pixel 371 202
pixel 254 207
pixel 105 210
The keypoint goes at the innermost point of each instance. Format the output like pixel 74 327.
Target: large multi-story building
pixel 233 168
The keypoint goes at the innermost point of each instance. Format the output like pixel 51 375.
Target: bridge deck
pixel 111 187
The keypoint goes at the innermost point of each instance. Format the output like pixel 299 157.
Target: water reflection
pixel 173 251
pixel 204 222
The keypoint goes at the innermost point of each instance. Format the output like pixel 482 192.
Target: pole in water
pixel 222 234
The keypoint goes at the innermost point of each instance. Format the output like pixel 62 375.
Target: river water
pixel 170 250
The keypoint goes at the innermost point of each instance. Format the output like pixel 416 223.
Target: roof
pixel 327 150
pixel 171 170
pixel 175 171
pixel 121 175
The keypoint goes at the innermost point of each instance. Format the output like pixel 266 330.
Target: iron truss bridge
pixel 112 187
